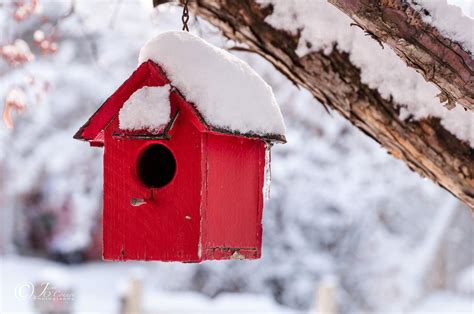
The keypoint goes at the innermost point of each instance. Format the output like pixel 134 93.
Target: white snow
pixel 147 108
pixel 267 173
pixel 97 288
pixel 225 90
pixel 57 276
pixel 17 52
pixel 465 281
pixel 326 216
pixel 467 6
pixel 38 35
pixel 17 97
pixel 443 302
pixel 322 25
pixel 449 20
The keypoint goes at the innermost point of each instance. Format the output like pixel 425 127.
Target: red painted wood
pixel 112 105
pixel 235 169
pixel 212 209
pixel 98 140
pixel 167 227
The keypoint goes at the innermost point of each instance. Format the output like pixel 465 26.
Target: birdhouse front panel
pixel 152 195
pixel 186 142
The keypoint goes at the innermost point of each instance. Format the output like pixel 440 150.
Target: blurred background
pixel 348 228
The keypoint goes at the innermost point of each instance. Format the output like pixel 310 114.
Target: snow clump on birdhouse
pixel 147 109
pixel 225 90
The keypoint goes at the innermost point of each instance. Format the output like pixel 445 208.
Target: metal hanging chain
pixel 185 17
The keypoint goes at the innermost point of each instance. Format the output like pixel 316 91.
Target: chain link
pixel 185 17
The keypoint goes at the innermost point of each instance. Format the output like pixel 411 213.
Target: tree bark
pixel 424 145
pixel 439 59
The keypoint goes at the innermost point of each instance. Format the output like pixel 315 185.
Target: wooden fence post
pixel 131 301
pixel 327 297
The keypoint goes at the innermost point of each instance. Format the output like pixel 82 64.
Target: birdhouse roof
pixel 226 93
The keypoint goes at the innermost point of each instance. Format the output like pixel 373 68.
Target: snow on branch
pixel 432 37
pixel 394 109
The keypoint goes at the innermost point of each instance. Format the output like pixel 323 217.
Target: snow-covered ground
pixel 445 302
pixel 97 287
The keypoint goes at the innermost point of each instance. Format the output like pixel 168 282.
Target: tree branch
pixel 439 59
pixel 425 146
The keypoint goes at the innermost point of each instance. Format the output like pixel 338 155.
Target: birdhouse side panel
pixel 152 223
pixel 235 170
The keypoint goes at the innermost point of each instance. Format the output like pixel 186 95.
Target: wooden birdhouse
pixel 186 144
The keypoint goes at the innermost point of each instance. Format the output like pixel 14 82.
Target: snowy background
pixel 343 213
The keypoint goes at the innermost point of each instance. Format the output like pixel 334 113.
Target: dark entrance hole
pixel 156 166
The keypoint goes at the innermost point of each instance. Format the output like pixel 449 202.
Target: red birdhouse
pixel 183 179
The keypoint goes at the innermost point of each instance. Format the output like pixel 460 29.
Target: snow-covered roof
pixel 147 108
pixel 225 90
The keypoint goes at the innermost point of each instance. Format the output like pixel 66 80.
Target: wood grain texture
pixel 91 130
pixel 167 226
pixel 149 70
pixel 439 59
pixel 424 145
pixel 235 169
pixel 211 208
